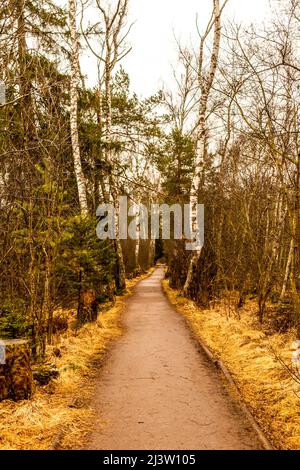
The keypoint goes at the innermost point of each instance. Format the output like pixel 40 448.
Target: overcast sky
pixel 152 36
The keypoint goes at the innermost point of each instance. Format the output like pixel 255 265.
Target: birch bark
pixel 205 84
pixel 113 190
pixel 80 179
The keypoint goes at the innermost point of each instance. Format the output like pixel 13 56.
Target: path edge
pixel 219 364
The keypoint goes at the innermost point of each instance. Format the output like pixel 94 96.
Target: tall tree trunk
pixel 24 83
pixel 138 240
pixel 271 256
pixel 294 222
pixel 293 273
pixel 201 141
pixel 120 278
pixel 81 184
pixel 288 269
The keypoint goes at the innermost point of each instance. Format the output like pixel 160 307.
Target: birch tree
pixel 112 50
pixel 80 179
pixel 205 81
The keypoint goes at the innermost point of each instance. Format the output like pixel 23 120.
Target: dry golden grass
pixel 252 358
pixel 59 415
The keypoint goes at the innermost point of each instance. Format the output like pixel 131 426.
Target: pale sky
pixel 152 36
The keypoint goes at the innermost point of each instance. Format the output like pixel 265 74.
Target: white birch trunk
pixel 201 137
pixel 151 252
pixel 80 180
pixel 138 240
pixel 110 181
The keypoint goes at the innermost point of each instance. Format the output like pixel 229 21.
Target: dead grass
pixel 250 355
pixel 60 415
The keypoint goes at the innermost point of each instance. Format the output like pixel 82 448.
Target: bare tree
pixel 112 50
pixel 205 81
pixel 80 179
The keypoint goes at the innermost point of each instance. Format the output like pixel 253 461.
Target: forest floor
pixel 157 391
pixel 257 356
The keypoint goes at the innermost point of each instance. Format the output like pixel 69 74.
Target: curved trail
pixel 157 392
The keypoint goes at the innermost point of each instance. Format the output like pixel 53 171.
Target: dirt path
pixel 156 391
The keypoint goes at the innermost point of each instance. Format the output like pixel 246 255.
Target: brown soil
pixel 156 391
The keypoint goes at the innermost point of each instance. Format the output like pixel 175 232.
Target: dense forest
pixel 225 134
pixel 62 146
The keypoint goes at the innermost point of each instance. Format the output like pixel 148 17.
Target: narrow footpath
pixel 156 391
